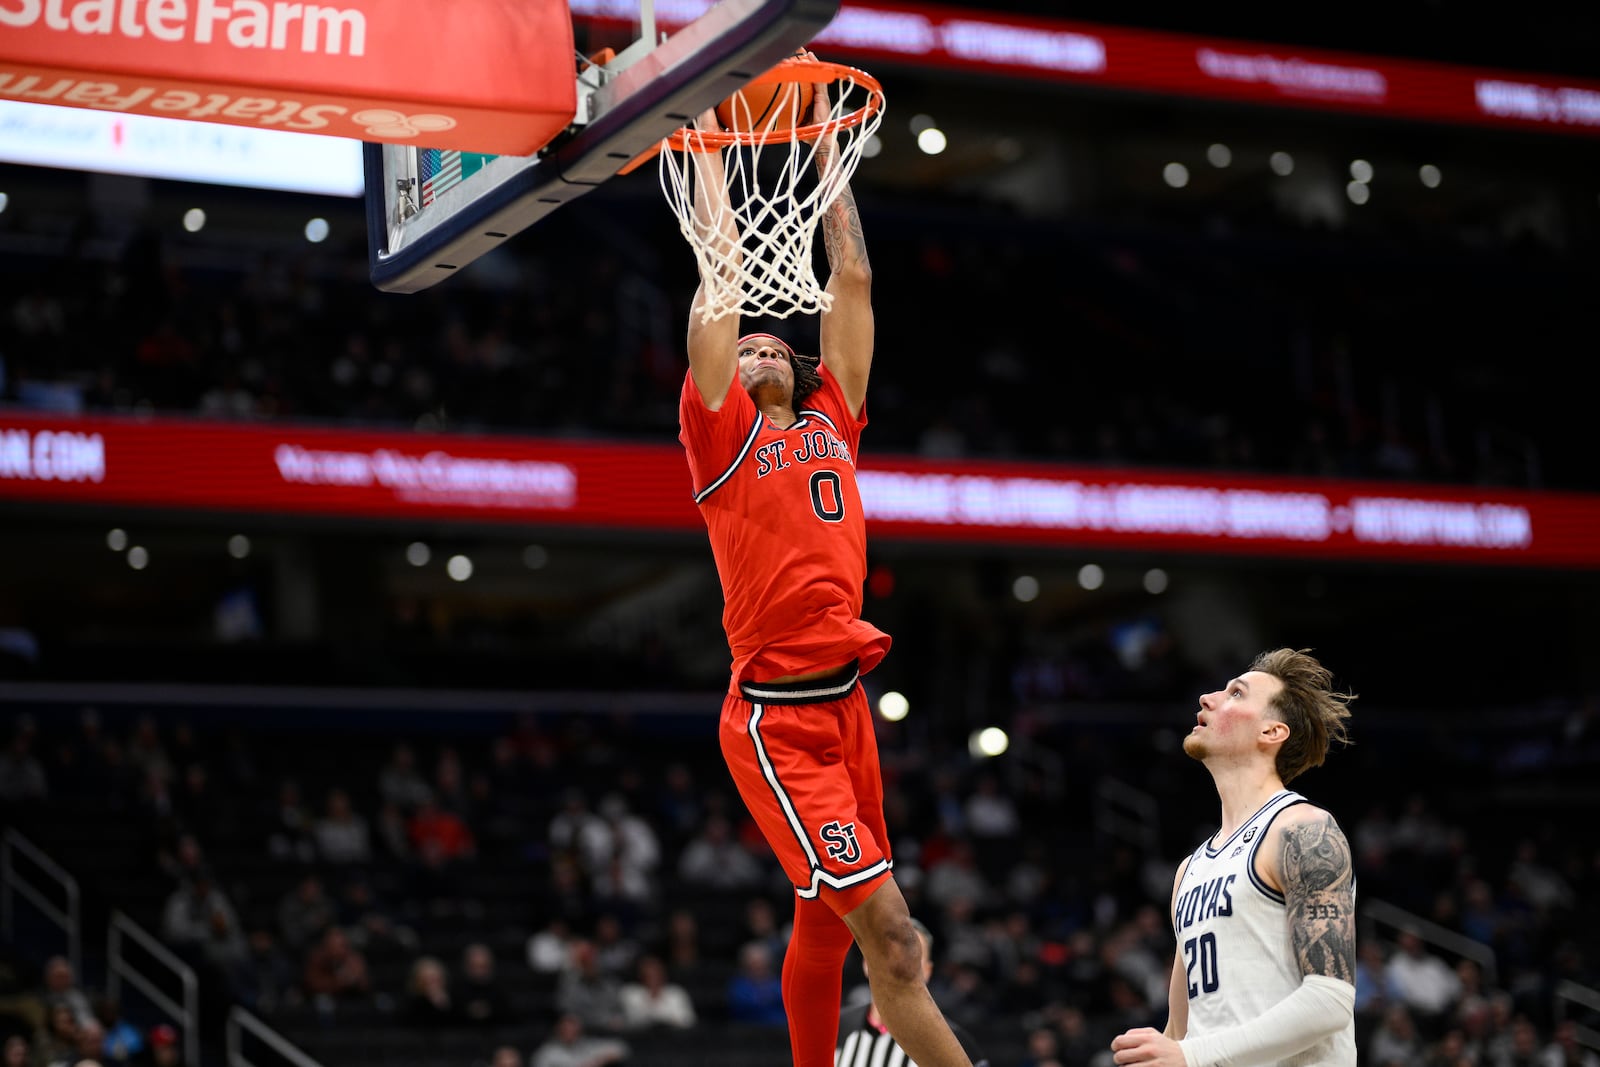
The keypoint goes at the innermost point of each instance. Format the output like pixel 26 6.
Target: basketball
pixel 769 106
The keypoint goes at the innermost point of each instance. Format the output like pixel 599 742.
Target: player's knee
pixel 899 952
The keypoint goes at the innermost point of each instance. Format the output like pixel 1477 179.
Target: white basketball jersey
pixel 1233 940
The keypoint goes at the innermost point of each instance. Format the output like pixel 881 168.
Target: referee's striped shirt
pixel 861 1044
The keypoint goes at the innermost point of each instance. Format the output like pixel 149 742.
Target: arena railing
pixel 184 1010
pixel 240 1021
pixel 1125 813
pixel 67 913
pixel 1376 913
pixel 1568 993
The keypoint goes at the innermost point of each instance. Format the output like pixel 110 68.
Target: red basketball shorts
pixel 805 759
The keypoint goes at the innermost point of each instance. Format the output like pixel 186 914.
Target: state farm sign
pixel 488 78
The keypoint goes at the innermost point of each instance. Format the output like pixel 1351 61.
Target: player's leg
pixel 813 980
pixel 882 928
pixel 881 922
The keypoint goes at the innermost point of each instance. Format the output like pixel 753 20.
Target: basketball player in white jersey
pixel 1264 911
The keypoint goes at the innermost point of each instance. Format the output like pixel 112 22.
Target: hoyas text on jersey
pixel 1205 902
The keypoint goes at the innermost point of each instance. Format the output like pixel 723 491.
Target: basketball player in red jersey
pixel 771 437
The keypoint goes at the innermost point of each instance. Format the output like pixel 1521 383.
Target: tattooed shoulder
pixel 1319 892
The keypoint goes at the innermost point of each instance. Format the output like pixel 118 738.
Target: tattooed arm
pixel 1314 870
pixel 847 325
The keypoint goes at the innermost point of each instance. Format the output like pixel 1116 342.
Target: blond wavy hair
pixel 1315 712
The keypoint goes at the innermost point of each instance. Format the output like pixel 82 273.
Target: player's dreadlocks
pixel 807 378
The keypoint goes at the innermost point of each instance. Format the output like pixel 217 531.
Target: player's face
pixel 1232 718
pixel 765 363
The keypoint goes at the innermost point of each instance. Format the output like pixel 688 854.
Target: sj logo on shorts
pixel 841 842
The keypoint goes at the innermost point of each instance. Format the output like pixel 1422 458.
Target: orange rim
pixel 816 71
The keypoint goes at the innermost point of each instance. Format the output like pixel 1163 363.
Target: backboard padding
pixel 693 69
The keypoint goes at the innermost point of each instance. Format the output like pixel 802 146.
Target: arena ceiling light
pixel 1430 175
pixel 1175 175
pixel 194 220
pixel 1219 155
pixel 893 706
pixel 1282 164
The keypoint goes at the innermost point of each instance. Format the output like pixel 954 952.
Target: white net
pixel 775 197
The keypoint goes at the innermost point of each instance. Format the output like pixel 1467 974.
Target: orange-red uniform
pixel 789 538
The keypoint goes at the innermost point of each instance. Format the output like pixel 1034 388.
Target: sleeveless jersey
pixel 786 529
pixel 1233 939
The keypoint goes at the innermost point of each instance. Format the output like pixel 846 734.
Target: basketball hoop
pixel 776 206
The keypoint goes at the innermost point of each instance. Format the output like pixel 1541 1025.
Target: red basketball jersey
pixel 786 529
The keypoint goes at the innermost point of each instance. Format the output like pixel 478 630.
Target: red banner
pixel 191 465
pixel 1174 64
pixel 488 76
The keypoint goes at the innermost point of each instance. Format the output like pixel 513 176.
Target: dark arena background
pixel 304 764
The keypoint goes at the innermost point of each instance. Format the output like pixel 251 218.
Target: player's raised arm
pixel 847 326
pixel 713 361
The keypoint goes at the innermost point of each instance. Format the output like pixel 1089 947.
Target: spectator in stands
pixel 276 981
pixel 399 783
pixel 569 1046
pixel 505 1056
pixel 653 1001
pixel 1420 980
pixel 682 951
pixel 714 860
pixel 393 831
pixel 1395 1042
pixel 22 776
pixel 588 992
pixel 1564 1049
pixel 755 994
pixel 678 805
pixel 87 1042
pixel 305 912
pixel 1373 994
pixel 439 837
pixel 957 875
pixel 185 860
pixel 1540 884
pixel 335 969
pixel 615 951
pixel 289 826
pixel 481 997
pixel 633 840
pixel 61 987
pixel 577 830
pixel 440 843
pixel 186 921
pixel 228 954
pixel 144 752
pixel 16 1052
pixel 1523 1050
pixel 450 787
pixel 370 923
pixel 341 834
pixel 123 1043
pixel 1450 1050
pixel 550 947
pixel 428 1001
pixel 59 1036
pixel 164 1048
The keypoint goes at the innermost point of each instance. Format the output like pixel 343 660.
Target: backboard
pixel 431 212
